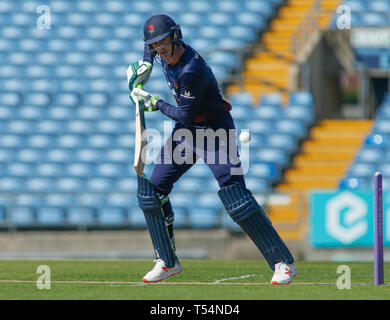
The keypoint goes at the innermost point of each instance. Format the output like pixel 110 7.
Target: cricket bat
pixel 140 136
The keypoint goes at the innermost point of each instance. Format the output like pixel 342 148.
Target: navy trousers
pixel 219 154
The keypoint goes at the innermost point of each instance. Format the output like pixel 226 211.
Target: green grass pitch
pixel 199 280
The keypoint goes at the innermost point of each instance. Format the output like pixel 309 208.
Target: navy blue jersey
pixel 195 89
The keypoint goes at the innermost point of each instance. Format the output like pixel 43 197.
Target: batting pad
pixel 149 202
pixel 248 214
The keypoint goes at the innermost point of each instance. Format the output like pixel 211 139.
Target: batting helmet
pixel 159 26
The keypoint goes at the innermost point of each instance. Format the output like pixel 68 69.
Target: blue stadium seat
pixel 6 112
pixel 80 216
pixel 275 99
pixel 112 216
pixel 203 218
pixel 100 184
pixel 21 169
pixel 272 155
pixel 291 126
pixel 49 169
pixel 10 99
pixel 356 183
pixel 246 33
pixel 379 6
pixel 228 60
pixel 382 126
pixel 127 184
pixel 257 185
pixel 181 217
pixel 242 112
pixel 260 7
pixel 303 98
pixel 50 215
pixel 231 43
pixel 17 126
pixel 251 19
pixel 241 98
pixel 199 171
pixel 284 141
pixel 12 141
pixel 362 169
pixel 355 5
pixel 303 113
pixel 87 155
pixel 260 126
pixel 267 171
pixel 74 184
pixel 38 184
pixel 270 112
pixel 29 155
pixel 57 155
pixel 70 141
pixel 20 215
pixel 136 218
pixel 370 19
pixel 370 154
pixel 376 140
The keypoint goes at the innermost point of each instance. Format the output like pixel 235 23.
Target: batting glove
pixel 149 100
pixel 138 73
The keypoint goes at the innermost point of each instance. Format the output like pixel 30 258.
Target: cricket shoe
pixel 284 273
pixel 161 271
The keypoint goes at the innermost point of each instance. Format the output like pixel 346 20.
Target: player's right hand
pixel 150 100
pixel 138 73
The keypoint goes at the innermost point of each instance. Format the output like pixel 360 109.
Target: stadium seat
pixel 304 113
pixel 111 216
pixel 21 216
pixel 257 185
pixel 284 141
pixel 370 154
pixel 200 218
pixel 291 126
pixel 241 98
pixel 376 140
pixel 362 169
pixel 136 218
pixel 270 112
pixel 274 99
pixel 356 183
pixel 50 216
pixel 268 171
pixel 272 155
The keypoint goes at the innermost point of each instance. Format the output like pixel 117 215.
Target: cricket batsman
pixel 200 105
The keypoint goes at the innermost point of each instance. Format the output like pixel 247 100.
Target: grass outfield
pixel 199 280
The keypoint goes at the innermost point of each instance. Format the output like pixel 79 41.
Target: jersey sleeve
pixel 191 86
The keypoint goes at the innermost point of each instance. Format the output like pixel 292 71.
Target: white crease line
pixel 134 283
pixel 234 278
